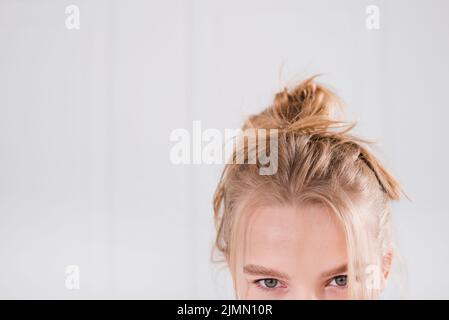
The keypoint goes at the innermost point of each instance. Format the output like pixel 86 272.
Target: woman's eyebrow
pixel 257 270
pixel 338 270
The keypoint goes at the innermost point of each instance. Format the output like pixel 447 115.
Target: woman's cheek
pixel 336 294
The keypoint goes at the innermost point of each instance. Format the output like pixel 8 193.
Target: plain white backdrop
pixel 85 119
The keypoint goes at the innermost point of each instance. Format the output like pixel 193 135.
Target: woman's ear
pixel 387 259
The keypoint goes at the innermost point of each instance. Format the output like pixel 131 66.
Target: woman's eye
pixel 268 283
pixel 339 281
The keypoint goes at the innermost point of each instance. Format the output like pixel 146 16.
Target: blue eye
pixel 339 281
pixel 268 283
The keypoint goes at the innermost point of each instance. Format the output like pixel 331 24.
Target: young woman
pixel 320 226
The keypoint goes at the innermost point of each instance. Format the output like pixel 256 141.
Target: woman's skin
pixel 291 252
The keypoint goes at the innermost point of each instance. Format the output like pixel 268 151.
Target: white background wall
pixel 85 118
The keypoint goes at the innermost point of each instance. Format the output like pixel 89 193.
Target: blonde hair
pixel 319 161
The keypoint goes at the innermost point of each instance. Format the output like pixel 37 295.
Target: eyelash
pixel 259 284
pixel 333 279
pixel 336 285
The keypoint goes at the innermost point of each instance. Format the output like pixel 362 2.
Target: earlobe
pixel 386 263
pixel 386 266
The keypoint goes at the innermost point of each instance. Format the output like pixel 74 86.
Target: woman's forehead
pixel 291 235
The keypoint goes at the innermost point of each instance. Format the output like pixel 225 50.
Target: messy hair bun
pixel 313 111
pixel 318 159
pixel 307 108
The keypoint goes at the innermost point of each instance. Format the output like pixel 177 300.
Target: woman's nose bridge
pixel 303 292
